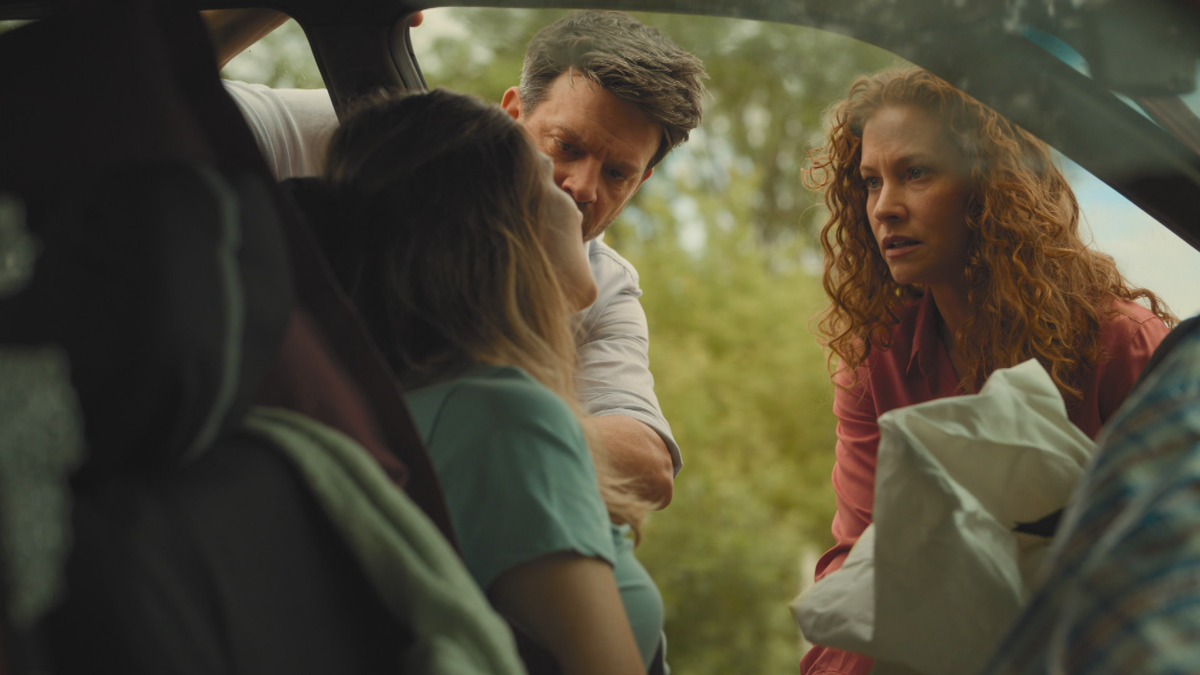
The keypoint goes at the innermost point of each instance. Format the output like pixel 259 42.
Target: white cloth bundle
pixel 935 582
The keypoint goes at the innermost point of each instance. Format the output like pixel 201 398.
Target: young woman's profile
pixel 444 225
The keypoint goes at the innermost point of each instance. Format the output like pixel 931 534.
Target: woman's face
pixel 918 184
pixel 562 236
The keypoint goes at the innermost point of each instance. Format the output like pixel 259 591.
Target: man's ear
pixel 511 102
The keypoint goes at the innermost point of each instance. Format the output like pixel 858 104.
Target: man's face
pixel 600 145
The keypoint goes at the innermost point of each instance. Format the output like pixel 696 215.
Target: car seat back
pixel 164 275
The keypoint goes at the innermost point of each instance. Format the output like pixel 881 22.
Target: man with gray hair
pixel 606 97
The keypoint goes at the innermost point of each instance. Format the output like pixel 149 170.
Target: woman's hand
pixel 570 604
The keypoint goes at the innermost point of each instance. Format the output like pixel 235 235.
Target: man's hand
pixel 638 453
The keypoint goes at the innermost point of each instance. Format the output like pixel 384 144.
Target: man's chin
pixel 590 233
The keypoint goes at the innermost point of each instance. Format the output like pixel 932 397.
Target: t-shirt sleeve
pixel 614 349
pixel 518 477
pixel 292 126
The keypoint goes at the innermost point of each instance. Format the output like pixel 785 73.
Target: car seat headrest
pixel 168 286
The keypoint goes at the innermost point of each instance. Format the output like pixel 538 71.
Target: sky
pixel 1147 253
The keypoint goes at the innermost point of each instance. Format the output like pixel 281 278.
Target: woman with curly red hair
pixel 952 249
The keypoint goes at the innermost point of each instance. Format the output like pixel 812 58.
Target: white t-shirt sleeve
pixel 292 126
pixel 613 345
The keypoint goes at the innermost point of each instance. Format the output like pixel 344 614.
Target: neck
pixel 951 303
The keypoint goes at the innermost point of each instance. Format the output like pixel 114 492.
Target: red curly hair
pixel 1036 290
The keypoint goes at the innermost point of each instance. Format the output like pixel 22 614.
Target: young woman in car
pixel 952 249
pixel 445 226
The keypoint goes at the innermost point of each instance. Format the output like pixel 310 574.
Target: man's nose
pixel 581 180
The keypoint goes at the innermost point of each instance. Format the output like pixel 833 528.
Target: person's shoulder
pixel 306 107
pixel 1125 311
pixel 507 399
pixel 249 92
pixel 607 264
pixel 1130 332
pixel 507 386
pixel 1126 319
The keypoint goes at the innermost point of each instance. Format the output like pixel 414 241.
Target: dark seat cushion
pixel 227 565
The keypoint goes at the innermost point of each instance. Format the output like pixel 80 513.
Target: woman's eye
pixel 871 182
pixel 564 146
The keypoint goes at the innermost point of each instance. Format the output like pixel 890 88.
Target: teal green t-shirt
pixel 520 484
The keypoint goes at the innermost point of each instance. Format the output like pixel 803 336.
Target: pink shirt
pixel 917 369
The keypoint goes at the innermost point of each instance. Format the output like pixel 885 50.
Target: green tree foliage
pixel 744 386
pixel 281 59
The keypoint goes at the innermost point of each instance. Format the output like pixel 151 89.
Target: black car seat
pixel 183 292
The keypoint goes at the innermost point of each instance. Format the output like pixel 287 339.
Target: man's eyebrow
pixel 575 138
pixel 572 135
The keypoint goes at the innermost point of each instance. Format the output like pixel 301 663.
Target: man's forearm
pixel 638 453
pixel 233 30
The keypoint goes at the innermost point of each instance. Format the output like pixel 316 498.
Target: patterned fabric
pixel 1122 583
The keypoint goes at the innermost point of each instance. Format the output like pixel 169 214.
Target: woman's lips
pixel 895 247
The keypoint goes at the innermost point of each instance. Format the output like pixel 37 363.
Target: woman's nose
pixel 889 204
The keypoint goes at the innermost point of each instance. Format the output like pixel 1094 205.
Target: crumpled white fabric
pixel 935 582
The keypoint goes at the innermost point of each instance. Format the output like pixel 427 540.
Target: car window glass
pixel 1148 254
pixel 6 26
pixel 282 59
pixel 1177 113
pixel 756 134
pixel 724 236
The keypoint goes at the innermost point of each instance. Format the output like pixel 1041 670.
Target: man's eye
pixel 563 146
pixel 616 174
pixel 917 172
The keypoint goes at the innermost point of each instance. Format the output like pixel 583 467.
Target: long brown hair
pixel 1035 289
pixel 438 245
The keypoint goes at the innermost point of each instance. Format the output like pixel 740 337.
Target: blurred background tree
pixel 725 239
